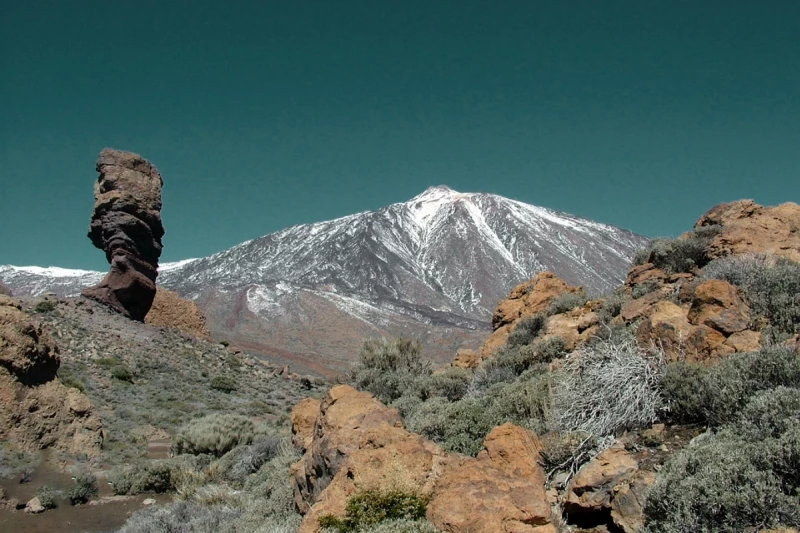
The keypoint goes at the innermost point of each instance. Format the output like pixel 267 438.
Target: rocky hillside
pixel 432 267
pixel 669 406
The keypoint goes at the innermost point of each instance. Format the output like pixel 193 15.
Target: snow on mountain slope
pixel 441 260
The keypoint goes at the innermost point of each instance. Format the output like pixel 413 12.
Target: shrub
pixel 214 434
pixel 679 255
pixel 567 452
pixel 245 460
pixel 610 386
pixel 122 373
pixel 567 302
pixel 85 487
pixel 389 368
pixel 716 395
pixel 45 306
pixel 70 379
pixel 371 507
pixel 451 383
pixel 527 329
pixel 47 496
pixel 224 384
pixel 182 517
pixel 548 349
pixel 149 476
pixel 726 483
pixel 403 525
pixel 770 285
pixel 487 375
pixel 645 288
pixel 612 306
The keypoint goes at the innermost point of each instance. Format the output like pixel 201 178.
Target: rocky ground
pixel 141 382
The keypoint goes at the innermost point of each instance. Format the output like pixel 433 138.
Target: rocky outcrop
pixel 304 417
pixel 171 311
pixel 526 299
pixel 358 443
pixel 4 290
pixel 610 486
pixel 747 227
pixel 126 225
pixel 36 410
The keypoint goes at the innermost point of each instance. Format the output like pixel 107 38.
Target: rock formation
pixel 171 311
pixel 126 225
pixel 751 228
pixel 357 442
pixel 36 410
pixel 4 290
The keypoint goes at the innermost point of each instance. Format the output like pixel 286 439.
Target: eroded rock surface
pixel 126 225
pixel 4 290
pixel 359 443
pixel 36 410
pixel 170 310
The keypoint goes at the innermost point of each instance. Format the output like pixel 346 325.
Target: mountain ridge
pixel 440 261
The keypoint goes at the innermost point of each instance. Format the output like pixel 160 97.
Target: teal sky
pixel 262 115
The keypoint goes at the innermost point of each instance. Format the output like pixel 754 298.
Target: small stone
pixel 149 501
pixel 34 506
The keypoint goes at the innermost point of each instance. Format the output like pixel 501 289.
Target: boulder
pixel 747 227
pixel 4 290
pixel 667 326
pixel 358 443
pixel 610 484
pixel 26 351
pixel 171 311
pixel 744 341
pixel 34 506
pixel 466 358
pixel 126 225
pixel 641 306
pixel 575 326
pixel 717 304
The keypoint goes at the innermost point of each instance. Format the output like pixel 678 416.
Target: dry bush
pixel 610 386
pixel 215 434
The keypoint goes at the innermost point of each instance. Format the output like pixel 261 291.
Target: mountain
pixel 433 267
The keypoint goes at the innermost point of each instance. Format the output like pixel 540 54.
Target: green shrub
pixel 371 507
pixel 224 384
pixel 527 329
pixel 679 255
pixel 70 379
pixel 566 302
pixel 389 369
pixel 403 525
pixel 147 476
pixel 516 358
pixel 184 517
pixel 770 285
pixel 716 395
pixel 242 461
pixel 612 306
pixel 214 434
pixel 550 348
pixel 45 306
pixel 726 483
pixel 450 382
pixel 85 487
pixel 608 387
pixel 647 287
pixel 47 496
pixel 122 373
pixel 566 451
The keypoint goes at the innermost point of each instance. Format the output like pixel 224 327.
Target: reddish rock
pixel 36 410
pixel 359 443
pixel 576 326
pixel 750 228
pixel 706 345
pixel 642 273
pixel 466 358
pixel 171 311
pixel 640 307
pixel 744 341
pixel 304 416
pixel 126 225
pixel 717 304
pixel 667 327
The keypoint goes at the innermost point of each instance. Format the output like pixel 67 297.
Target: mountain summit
pixel 433 267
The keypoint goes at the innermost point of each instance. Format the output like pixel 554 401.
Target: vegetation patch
pixel 372 507
pixel 214 434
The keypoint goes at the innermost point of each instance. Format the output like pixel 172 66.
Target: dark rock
pixel 126 224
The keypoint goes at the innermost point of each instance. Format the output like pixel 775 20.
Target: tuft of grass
pixel 214 434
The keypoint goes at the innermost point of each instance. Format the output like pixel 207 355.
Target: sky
pixel 262 115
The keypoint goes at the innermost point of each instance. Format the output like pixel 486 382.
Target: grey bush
pixel 610 386
pixel 389 369
pixel 770 285
pixel 716 395
pixel 527 329
pixel 679 255
pixel 47 496
pixel 566 302
pixel 450 382
pixel 85 487
pixel 214 434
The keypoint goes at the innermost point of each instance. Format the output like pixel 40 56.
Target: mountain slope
pixel 433 267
